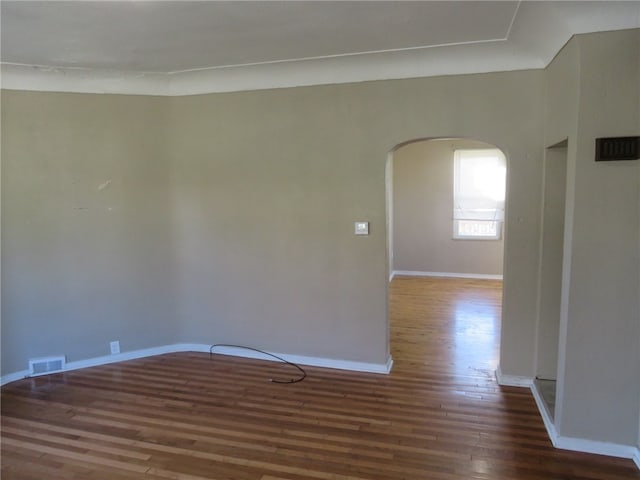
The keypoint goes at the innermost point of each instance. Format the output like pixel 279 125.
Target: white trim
pixel 382 368
pixel 545 414
pixel 12 377
pixel 581 444
pixel 82 80
pixel 415 273
pixel 512 380
pixel 120 357
pixel 599 448
pixel 458 59
pixel 513 51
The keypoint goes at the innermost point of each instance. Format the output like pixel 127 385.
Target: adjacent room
pixel 320 240
pixel 447 204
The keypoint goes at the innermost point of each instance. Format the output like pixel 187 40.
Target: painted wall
pixel 234 218
pixel 600 312
pixel 603 286
pixel 265 204
pixel 560 123
pixel 87 244
pixel 423 212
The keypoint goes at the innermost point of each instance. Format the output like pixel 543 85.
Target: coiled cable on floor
pixel 302 376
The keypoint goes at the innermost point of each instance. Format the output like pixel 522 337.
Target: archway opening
pixel 446 199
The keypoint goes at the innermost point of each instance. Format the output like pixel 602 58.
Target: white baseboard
pixel 414 273
pixel 12 377
pixel 103 360
pixel 311 361
pixel 581 444
pixel 120 357
pixel 512 380
pixel 592 446
pixel 546 415
pixel 383 368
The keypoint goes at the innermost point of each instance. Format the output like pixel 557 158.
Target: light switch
pixel 362 228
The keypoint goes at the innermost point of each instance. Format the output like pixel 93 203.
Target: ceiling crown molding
pixel 410 63
pixel 537 32
pixel 81 80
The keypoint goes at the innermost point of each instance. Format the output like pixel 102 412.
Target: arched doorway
pixel 440 228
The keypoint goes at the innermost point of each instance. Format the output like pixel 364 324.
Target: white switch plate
pixel 361 228
pixel 115 347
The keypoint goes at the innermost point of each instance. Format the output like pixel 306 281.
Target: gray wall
pixel 247 223
pixel 602 288
pixel 265 204
pixel 598 391
pixel 87 246
pixel 423 212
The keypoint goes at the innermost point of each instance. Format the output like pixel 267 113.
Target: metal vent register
pixel 40 366
pixel 617 148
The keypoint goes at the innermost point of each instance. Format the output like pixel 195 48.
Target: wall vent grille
pixel 41 366
pixel 617 148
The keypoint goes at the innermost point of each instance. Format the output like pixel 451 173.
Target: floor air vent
pixel 41 366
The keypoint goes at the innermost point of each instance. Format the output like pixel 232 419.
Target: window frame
pixel 498 219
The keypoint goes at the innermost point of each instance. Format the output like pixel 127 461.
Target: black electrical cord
pixel 273 380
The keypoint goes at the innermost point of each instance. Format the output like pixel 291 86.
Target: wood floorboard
pixel 190 416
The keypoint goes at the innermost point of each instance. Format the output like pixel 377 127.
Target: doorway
pixel 550 288
pixel 432 229
pixel 424 238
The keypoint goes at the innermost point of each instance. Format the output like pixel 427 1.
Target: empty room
pixel 286 240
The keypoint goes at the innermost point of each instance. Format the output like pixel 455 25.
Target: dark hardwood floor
pixel 186 416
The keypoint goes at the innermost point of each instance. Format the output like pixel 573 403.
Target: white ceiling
pixel 176 36
pixel 183 47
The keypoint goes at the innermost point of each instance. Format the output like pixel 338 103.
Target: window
pixel 479 179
